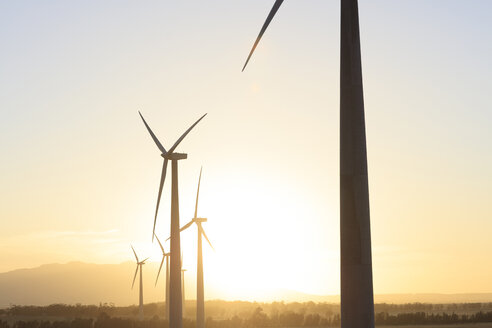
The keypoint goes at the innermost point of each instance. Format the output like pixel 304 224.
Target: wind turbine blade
pixel 163 178
pixel 157 142
pixel 272 13
pixel 186 226
pixel 197 192
pixel 135 277
pixel 162 247
pixel 136 257
pixel 160 267
pixel 184 135
pixel 142 262
pixel 205 235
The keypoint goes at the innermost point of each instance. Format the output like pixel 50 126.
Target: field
pixel 223 314
pixel 469 325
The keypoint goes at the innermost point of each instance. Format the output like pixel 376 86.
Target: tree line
pixel 220 310
pixel 257 319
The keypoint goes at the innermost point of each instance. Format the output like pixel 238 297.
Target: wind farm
pixel 329 164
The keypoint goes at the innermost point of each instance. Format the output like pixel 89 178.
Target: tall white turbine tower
pixel 140 298
pixel 165 257
pixel 357 300
pixel 175 304
pixel 200 295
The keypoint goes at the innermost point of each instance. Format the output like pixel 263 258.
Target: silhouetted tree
pixel 81 323
pixel 258 318
pixel 311 320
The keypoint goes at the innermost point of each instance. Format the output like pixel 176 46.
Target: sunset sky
pixel 79 172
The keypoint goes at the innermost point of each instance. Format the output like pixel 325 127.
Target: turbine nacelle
pixel 199 220
pixel 174 156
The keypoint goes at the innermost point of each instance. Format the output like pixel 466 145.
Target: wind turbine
pixel 165 256
pixel 200 299
pixel 175 304
pixel 139 267
pixel 357 301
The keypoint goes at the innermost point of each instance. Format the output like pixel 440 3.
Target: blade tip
pixel 246 63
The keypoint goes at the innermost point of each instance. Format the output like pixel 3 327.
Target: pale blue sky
pixel 77 158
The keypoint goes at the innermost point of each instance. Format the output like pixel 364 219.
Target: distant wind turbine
pixel 183 284
pixel 139 267
pixel 357 301
pixel 200 297
pixel 165 256
pixel 175 302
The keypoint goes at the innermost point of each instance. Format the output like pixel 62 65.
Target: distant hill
pixel 86 283
pixel 434 298
pixel 77 282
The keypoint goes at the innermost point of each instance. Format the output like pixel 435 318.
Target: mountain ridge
pixel 89 283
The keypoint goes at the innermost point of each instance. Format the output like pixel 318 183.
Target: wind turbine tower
pixel 165 257
pixel 200 295
pixel 357 302
pixel 140 298
pixel 175 296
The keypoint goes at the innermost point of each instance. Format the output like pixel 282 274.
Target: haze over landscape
pixel 79 173
pixel 86 283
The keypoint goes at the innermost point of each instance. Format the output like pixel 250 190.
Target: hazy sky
pixel 79 172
